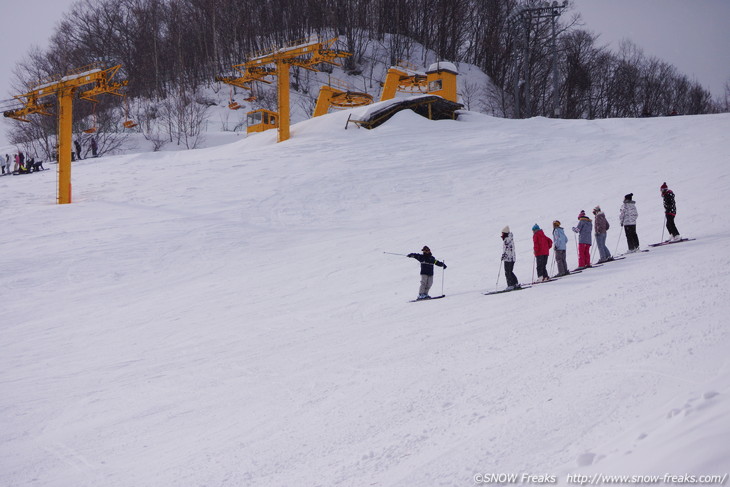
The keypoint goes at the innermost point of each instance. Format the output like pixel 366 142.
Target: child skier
pixel 560 246
pixel 628 216
pixel 670 211
pixel 584 228
pixel 427 262
pixel 541 245
pixel 508 257
pixel 602 227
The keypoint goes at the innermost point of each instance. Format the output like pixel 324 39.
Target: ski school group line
pixel 542 245
pixel 22 165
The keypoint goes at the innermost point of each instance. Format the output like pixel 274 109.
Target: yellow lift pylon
pixel 305 54
pixel 64 88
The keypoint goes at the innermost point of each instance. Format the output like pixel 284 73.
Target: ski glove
pixel 411 255
pixel 444 266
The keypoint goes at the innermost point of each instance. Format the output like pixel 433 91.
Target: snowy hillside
pixel 228 317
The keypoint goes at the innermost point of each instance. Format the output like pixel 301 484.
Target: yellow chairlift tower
pixel 64 88
pixel 306 55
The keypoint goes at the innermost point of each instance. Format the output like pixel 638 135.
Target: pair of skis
pixel 527 286
pixel 427 299
pixel 670 242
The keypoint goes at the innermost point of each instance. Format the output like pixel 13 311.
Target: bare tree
pixel 184 116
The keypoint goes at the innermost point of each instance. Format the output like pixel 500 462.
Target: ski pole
pixel 664 225
pixel 618 242
pixel 443 276
pixel 534 263
pixel 593 250
pixel 552 264
pixel 393 253
pixel 496 284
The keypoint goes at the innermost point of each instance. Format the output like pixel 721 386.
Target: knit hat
pixel 597 209
pixel 505 229
pixel 629 197
pixel 664 187
pixel 582 214
pixel 556 223
pixel 535 227
pixel 425 249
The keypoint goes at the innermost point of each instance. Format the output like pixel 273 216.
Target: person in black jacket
pixel 77 145
pixel 427 262
pixel 670 210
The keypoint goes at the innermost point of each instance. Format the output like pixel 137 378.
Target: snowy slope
pixel 228 316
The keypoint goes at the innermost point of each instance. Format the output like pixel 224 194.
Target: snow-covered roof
pixel 443 66
pixel 66 78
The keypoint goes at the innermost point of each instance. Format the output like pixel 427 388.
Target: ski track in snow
pixel 226 316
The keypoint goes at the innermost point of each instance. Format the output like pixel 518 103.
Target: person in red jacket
pixel 541 245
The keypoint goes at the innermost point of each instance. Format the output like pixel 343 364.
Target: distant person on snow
pixel 508 257
pixel 541 245
pixel 94 147
pixel 427 262
pixel 584 229
pixel 560 246
pixel 601 229
pixel 670 211
pixel 78 149
pixel 6 164
pixel 628 216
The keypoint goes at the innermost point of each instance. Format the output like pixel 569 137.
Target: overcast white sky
pixel 694 35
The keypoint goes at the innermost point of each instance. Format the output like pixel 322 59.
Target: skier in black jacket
pixel 670 210
pixel 427 262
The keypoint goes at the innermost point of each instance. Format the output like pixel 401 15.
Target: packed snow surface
pixel 229 317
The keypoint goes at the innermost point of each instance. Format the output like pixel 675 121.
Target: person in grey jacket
pixel 628 216
pixel 584 229
pixel 560 241
pixel 601 229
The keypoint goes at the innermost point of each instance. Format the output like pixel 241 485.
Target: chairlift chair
pixel 92 129
pixel 232 104
pixel 128 122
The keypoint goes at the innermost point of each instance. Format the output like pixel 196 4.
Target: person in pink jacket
pixel 585 239
pixel 541 245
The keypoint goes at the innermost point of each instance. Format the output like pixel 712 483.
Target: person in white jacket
pixel 628 216
pixel 508 257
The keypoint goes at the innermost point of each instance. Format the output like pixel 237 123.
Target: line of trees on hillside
pixel 169 47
